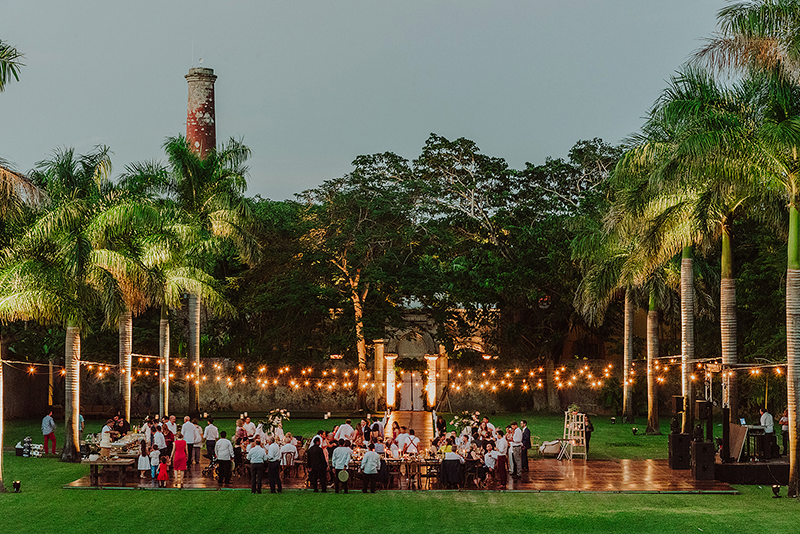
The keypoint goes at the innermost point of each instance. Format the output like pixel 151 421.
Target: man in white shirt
pixel 516 450
pixel 340 459
pixel 249 427
pixel 767 421
pixel 172 425
pixel 224 453
pixel 257 456
pixel 501 467
pixel 274 465
pixel 159 440
pixel 402 437
pixel 211 435
pixel 188 430
pixel 344 431
pixel 411 443
pixel 370 464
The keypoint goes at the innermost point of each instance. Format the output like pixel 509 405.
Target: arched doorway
pixel 411 391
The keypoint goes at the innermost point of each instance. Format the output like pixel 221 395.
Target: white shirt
pixel 224 449
pixel 517 438
pixel 105 437
pixel 768 423
pixel 453 456
pixel 198 436
pixel 188 430
pixel 173 426
pixel 341 457
pixel 490 459
pixel 288 447
pixel 211 433
pixel 274 452
pixel 370 463
pixel 502 446
pixel 401 440
pixel 395 451
pixel 412 445
pixel 345 431
pixel 159 440
pixel 250 428
pixel 155 457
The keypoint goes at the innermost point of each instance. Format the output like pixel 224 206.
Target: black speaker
pixel 703 456
pixel 679 447
pixel 702 410
pixel 677 404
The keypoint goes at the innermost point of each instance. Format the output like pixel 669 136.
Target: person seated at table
pixel 380 448
pixel 340 459
pixel 464 441
pixel 291 438
pixel 474 452
pixel 391 449
pixel 447 446
pixel 489 463
pixel 288 447
pixel 412 443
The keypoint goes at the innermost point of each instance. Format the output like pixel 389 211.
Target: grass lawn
pixel 43 506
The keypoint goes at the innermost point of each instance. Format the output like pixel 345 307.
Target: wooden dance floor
pixel 545 475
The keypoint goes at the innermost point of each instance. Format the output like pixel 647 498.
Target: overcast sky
pixel 310 85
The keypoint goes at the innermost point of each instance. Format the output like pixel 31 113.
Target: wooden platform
pixel 545 475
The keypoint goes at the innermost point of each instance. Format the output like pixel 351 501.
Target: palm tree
pixel 763 36
pixel 56 272
pixel 209 195
pixel 9 64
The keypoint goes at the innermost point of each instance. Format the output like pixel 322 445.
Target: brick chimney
pixel 201 131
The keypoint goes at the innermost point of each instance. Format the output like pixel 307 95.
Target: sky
pixel 310 85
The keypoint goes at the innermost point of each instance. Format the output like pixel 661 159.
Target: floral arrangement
pixel 465 419
pixel 573 408
pixel 274 420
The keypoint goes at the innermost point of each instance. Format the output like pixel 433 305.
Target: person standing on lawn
pixel 49 431
pixel 370 464
pixel 189 430
pixel 274 465
pixel 223 450
pixel 317 466
pixel 526 443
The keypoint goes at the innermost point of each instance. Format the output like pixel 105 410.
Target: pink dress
pixel 179 462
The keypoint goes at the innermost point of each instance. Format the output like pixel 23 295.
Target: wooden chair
pixel 432 474
pixel 395 474
pixel 287 464
pixel 300 462
pixel 413 473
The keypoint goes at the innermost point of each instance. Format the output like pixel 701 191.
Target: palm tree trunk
pixel 72 400
pixel 163 354
pixel 653 426
pixel 194 353
pixel 687 337
pixel 2 418
pixel 793 344
pixel 125 364
pixel 627 389
pixel 728 322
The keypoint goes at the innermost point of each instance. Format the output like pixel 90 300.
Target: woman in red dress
pixel 179 455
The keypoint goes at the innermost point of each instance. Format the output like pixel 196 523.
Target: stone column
pixel 380 370
pixel 391 387
pixel 201 129
pixel 431 386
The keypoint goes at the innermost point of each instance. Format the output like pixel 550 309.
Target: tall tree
pixel 210 191
pixel 359 226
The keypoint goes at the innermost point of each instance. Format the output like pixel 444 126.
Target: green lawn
pixel 43 506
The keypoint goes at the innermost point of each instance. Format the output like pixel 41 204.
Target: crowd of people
pixel 168 450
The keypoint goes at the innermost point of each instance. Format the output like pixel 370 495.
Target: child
pixel 163 471
pixel 154 460
pixel 144 459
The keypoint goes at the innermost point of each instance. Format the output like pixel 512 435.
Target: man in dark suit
pixel 526 443
pixel 317 465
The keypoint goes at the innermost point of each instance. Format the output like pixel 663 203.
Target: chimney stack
pixel 201 132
